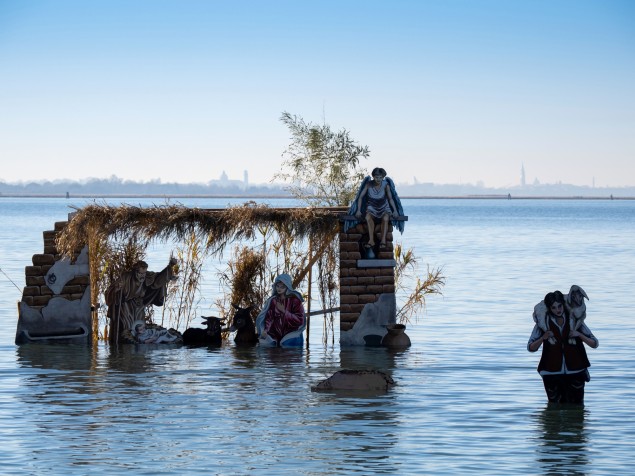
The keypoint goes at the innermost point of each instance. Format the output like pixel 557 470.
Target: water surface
pixel 468 399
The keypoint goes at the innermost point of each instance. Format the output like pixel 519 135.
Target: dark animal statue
pixel 244 326
pixel 211 335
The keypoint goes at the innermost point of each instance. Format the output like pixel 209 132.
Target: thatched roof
pixel 217 227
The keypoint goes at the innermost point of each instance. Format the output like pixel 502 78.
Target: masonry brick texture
pixel 359 286
pixel 36 293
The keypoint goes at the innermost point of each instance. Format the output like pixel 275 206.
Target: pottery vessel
pixel 396 336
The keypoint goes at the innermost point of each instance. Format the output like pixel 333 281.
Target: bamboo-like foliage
pixel 98 249
pixel 245 277
pixel 251 271
pixel 328 286
pixel 183 292
pixel 320 165
pixel 406 269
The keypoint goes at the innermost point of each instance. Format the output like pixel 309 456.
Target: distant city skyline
pixel 226 185
pixel 447 92
pixel 225 177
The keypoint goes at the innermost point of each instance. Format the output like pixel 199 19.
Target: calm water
pixel 468 399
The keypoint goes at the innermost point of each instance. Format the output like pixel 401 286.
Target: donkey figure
pixel 244 326
pixel 211 335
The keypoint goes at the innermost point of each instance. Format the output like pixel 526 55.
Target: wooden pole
pixel 308 307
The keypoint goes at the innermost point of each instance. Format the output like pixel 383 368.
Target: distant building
pixel 224 177
pixel 522 175
pixel 246 179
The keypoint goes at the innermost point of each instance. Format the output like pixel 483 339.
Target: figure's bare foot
pixel 369 245
pixel 382 245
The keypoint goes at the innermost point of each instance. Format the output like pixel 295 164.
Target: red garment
pixel 277 323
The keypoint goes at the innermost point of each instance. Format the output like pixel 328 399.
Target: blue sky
pixel 447 91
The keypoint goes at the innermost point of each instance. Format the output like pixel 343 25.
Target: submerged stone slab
pixel 356 380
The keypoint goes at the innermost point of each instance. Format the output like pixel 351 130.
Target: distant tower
pixel 522 175
pixel 224 177
pixel 246 179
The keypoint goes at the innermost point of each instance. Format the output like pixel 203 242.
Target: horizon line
pixel 278 196
pixel 232 182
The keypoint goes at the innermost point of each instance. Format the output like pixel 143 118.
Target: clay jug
pixel 396 337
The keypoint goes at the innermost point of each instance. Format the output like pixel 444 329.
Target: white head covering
pixel 285 279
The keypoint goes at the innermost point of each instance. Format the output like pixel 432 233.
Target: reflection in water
pixel 129 358
pixel 85 399
pixel 367 431
pixel 275 356
pixel 244 357
pixel 66 396
pixel 281 368
pixel 563 440
pixel 72 379
pixel 53 356
pixel 59 369
pixel 368 358
pixel 366 428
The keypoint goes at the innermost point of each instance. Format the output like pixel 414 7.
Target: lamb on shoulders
pixel 576 308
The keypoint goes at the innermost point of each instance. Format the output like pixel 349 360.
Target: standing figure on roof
pixel 376 199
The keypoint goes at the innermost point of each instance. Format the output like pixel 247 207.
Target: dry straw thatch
pixel 176 222
pixel 134 227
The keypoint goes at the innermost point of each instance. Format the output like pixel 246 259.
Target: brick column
pixel 363 280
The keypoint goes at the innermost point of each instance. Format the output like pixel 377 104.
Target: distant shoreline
pixel 254 197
